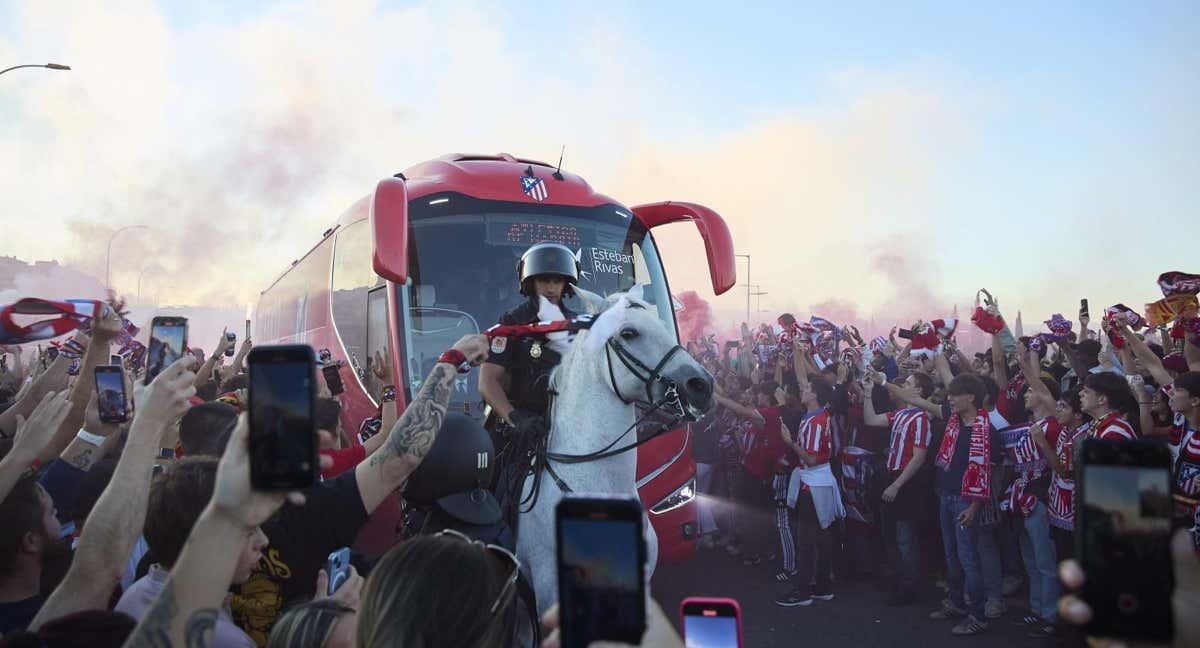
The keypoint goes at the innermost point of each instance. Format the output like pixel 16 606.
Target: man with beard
pixel 29 542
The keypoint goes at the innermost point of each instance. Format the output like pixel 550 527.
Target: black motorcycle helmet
pixel 547 259
pixel 456 472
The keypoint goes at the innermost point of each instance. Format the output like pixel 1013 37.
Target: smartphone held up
pixel 283 435
pixel 1122 538
pixel 337 568
pixel 711 622
pixel 111 397
pixel 601 570
pixel 168 339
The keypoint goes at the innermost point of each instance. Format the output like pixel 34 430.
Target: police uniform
pixel 528 360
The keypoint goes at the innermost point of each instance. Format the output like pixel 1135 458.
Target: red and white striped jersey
pixel 815 436
pixel 910 429
pixel 1185 453
pixel 1115 428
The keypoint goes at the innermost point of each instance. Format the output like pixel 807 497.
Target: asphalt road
pixel 856 618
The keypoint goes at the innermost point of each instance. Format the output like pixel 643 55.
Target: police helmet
pixel 547 259
pixel 456 472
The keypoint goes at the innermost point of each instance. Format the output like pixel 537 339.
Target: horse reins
pixel 649 377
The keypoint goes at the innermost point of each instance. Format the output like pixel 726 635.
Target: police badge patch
pixel 499 344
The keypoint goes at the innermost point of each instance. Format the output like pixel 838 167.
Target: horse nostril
pixel 699 390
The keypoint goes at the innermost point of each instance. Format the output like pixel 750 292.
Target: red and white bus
pixel 431 255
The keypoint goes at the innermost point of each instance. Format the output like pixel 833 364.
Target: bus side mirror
pixel 389 227
pixel 718 243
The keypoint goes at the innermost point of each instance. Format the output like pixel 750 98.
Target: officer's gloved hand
pixel 528 424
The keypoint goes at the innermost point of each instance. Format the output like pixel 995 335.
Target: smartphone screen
pixel 601 558
pixel 283 442
pixel 168 338
pixel 114 359
pixel 110 394
pixel 711 623
pixel 905 334
pixel 1083 307
pixel 1122 535
pixel 333 379
pixel 232 337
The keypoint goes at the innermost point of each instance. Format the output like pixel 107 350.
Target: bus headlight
pixel 679 497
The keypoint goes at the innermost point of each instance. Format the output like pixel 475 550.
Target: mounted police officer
pixel 515 380
pixel 548 270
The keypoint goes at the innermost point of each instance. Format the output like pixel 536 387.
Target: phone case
pixel 105 414
pixel 1100 528
pixel 168 322
pixel 592 507
pixel 269 469
pixel 700 600
pixel 337 569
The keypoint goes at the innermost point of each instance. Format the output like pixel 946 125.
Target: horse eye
pixel 629 334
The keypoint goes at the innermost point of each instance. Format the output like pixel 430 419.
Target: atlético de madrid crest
pixel 534 188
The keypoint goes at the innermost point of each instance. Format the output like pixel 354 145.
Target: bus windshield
pixel 463 255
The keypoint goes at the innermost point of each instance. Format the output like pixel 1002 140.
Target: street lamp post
pixel 48 66
pixel 747 257
pixel 108 255
pixel 140 275
pixel 758 293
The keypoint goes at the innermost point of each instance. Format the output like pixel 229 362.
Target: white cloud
pixel 239 143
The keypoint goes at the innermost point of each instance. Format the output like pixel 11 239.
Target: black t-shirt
pixel 17 615
pixel 792 418
pixel 527 359
pixel 301 539
pixel 949 481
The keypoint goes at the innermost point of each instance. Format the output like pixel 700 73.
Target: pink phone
pixel 711 622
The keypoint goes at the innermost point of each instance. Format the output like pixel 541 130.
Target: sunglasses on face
pixel 511 581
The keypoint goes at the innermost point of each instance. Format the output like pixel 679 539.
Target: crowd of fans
pixel 149 533
pixel 871 455
pixel 826 452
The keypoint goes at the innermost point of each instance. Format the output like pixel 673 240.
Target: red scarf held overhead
pixel 976 483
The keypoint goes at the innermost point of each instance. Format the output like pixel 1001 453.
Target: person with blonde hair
pixel 440 590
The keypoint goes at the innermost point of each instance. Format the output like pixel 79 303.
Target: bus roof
pixel 489 177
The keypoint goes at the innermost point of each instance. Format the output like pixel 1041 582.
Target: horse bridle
pixel 649 377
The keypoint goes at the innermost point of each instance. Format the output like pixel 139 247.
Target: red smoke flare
pixel 695 319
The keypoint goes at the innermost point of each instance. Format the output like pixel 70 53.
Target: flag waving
pixel 62 318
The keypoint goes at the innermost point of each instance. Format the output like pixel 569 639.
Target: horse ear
pixel 637 293
pixel 591 301
pixel 608 323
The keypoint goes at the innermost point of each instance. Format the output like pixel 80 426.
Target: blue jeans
pixel 964 567
pixel 903 548
pixel 989 559
pixel 909 554
pixel 1037 550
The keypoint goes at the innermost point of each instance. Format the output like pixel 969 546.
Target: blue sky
pixel 1041 151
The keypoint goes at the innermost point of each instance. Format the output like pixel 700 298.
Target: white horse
pixel 597 386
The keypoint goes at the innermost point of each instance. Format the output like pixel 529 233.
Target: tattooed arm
pixel 413 435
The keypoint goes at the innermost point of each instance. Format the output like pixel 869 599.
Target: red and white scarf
pixel 976 483
pixel 63 317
